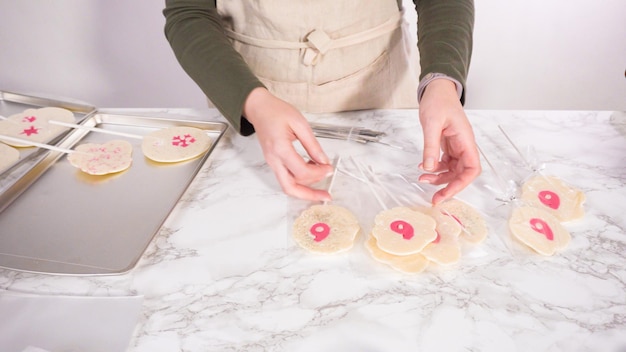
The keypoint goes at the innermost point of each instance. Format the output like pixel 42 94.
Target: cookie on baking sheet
pixel 410 264
pixel 445 249
pixel 474 226
pixel 326 229
pixel 539 230
pixel 8 156
pixel 554 196
pixel 175 144
pixel 33 125
pixel 403 231
pixel 102 159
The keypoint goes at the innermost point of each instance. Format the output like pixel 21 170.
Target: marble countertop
pixel 223 273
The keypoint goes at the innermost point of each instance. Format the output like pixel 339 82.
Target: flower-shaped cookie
pixel 175 144
pixel 326 229
pixel 403 231
pixel 554 196
pixel 33 125
pixel 538 229
pixel 102 159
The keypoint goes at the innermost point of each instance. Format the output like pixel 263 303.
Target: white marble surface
pixel 224 275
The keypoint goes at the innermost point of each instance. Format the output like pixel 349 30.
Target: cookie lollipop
pixel 175 144
pixel 326 228
pixel 554 196
pixel 33 125
pixel 445 249
pixel 102 159
pixel 410 264
pixel 474 226
pixel 538 229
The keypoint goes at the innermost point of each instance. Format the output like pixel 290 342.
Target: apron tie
pixel 317 42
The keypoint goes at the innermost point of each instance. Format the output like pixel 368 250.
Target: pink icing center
pixel 542 227
pixel 549 199
pixel 455 218
pixel 183 141
pixel 402 227
pixel 29 119
pixel 320 231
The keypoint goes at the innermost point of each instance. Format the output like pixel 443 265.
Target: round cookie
pixel 326 229
pixel 102 159
pixel 554 196
pixel 175 144
pixel 445 249
pixel 8 156
pixel 474 226
pixel 539 230
pixel 33 125
pixel 402 231
pixel 410 264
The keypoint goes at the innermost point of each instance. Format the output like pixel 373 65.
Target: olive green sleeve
pixel 444 37
pixel 195 33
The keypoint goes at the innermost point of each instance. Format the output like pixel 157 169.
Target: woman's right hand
pixel 277 125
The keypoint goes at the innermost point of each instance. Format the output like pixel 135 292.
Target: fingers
pixel 292 188
pixel 294 175
pixel 457 173
pixel 304 134
pixel 432 147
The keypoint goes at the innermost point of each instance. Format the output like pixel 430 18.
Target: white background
pixel 531 54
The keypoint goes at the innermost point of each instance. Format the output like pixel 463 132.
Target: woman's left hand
pixel 447 133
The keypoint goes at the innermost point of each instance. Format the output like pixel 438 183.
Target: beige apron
pixel 327 55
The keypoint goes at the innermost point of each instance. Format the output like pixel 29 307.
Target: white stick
pixel 380 184
pixel 420 189
pixel 36 144
pixel 501 182
pixel 95 129
pixel 332 178
pixel 369 184
pixel 516 149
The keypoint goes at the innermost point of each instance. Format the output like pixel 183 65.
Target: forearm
pixel 444 31
pixel 195 33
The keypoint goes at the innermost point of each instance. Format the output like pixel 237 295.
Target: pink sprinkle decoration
pixel 183 141
pixel 29 131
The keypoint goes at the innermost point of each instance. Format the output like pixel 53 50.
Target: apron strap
pixel 317 43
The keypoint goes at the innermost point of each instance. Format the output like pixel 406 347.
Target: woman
pixel 262 62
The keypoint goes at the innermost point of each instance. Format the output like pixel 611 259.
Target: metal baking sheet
pixel 13 103
pixel 69 222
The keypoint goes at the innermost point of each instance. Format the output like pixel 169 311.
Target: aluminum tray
pixel 59 220
pixel 13 103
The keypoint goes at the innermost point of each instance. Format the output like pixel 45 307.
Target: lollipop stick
pixel 380 184
pixel 95 129
pixel 499 178
pixel 369 184
pixel 516 149
pixel 332 178
pixel 422 192
pixel 36 144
